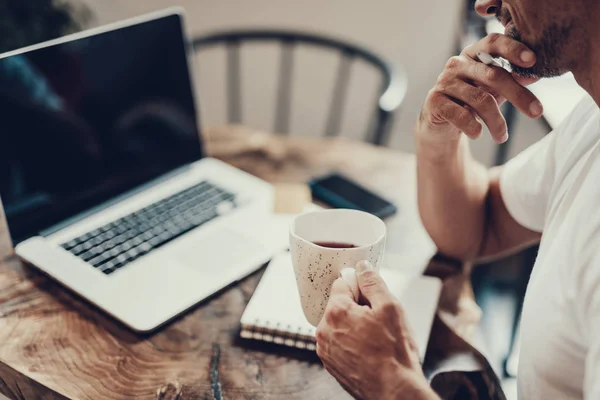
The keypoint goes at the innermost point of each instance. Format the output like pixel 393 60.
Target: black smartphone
pixel 341 192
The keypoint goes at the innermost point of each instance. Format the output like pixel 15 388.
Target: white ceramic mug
pixel 317 264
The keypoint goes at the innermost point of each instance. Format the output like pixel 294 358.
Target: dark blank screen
pixel 87 120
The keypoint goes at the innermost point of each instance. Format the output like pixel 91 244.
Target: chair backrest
pixel 392 93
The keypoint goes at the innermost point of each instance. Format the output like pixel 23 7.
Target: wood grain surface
pixel 55 345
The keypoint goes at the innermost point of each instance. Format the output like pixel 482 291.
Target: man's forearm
pixel 452 190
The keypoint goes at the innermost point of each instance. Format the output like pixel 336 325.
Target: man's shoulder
pixel 579 132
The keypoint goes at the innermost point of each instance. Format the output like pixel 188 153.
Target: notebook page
pixel 276 303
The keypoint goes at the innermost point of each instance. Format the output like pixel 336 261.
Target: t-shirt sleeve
pixel 526 182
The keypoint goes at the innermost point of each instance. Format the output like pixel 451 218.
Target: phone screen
pixel 351 192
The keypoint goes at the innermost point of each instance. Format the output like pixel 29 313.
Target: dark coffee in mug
pixel 335 245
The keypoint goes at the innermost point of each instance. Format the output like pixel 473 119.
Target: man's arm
pixel 460 201
pixel 503 235
pixel 461 205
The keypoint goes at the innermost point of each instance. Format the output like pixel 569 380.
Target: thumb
pixel 341 289
pixel 371 285
pixel 349 275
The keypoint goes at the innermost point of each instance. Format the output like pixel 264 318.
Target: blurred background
pixel 413 37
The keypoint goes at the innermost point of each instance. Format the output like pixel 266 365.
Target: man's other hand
pixel 369 347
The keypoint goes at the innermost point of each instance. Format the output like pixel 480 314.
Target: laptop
pixel 104 180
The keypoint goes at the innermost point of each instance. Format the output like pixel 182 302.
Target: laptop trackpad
pixel 220 251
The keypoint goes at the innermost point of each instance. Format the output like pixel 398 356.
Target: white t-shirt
pixel 554 187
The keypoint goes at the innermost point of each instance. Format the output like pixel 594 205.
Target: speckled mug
pixel 317 267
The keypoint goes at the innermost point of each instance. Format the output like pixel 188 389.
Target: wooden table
pixel 54 345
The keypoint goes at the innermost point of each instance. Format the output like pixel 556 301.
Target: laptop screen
pixel 89 119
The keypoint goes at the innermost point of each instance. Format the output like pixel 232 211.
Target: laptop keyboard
pixel 120 242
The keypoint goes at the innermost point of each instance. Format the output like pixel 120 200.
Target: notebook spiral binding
pixel 278 334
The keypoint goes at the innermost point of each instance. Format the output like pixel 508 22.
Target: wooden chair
pixel 392 92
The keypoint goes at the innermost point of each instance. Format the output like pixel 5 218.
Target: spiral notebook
pixel 274 313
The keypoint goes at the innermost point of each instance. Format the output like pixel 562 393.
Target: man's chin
pixel 522 72
pixel 537 72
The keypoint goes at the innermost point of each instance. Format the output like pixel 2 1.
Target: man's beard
pixel 549 52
